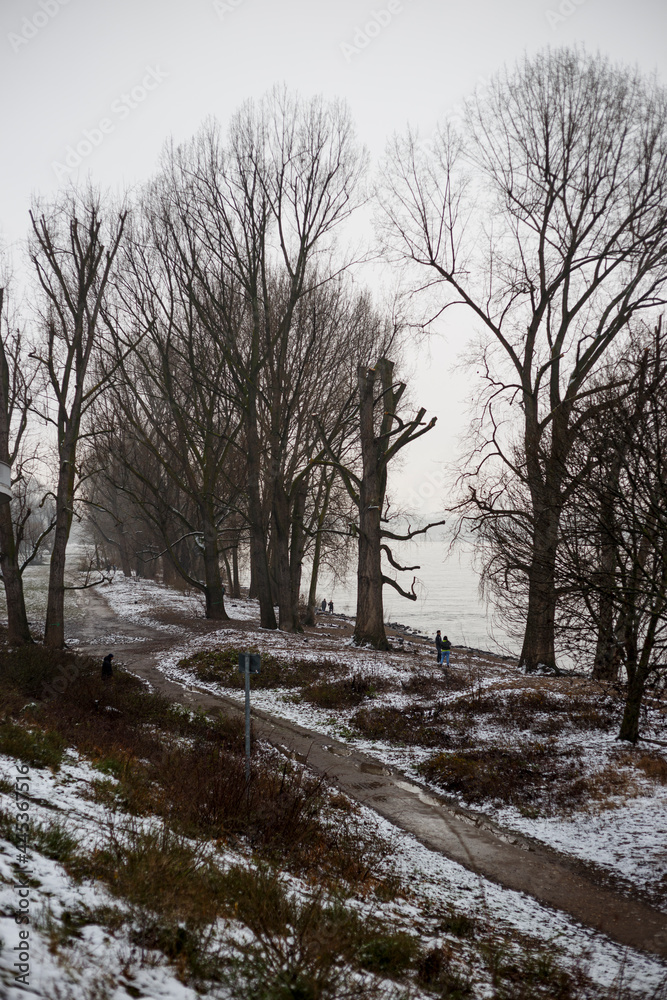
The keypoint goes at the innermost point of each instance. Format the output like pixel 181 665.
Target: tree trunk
pixel 125 553
pixel 54 630
pixel 297 547
pixel 314 573
pixel 638 667
pixel 369 627
pixel 228 572
pixel 18 629
pixel 259 562
pixel 281 560
pixel 170 575
pixel 236 583
pixel 539 638
pixel 213 590
pixel 630 724
pixel 323 506
pixel 607 658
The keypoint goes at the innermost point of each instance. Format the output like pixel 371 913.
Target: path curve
pixel 497 854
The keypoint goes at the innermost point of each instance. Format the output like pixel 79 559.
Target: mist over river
pixel 448 596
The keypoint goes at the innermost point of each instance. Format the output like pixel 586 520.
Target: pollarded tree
pixel 547 219
pixel 383 433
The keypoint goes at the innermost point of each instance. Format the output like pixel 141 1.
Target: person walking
pixel 324 604
pixel 446 650
pixel 438 646
pixel 330 607
pixel 107 669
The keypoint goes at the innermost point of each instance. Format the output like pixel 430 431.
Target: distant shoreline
pixel 414 633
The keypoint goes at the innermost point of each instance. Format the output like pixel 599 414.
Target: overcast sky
pixel 115 79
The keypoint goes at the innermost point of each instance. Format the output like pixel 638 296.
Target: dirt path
pixel 500 855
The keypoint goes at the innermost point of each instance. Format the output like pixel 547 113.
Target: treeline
pixel 545 216
pixel 217 386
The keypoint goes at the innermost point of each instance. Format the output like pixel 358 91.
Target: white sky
pixel 207 57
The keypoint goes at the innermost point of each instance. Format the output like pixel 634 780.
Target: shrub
pixel 459 924
pixel 309 949
pixel 654 767
pixel 389 954
pixel 432 685
pixel 54 841
pixel 221 666
pixel 415 724
pixel 531 775
pixel 157 871
pixel 27 669
pixel 33 746
pixel 345 693
pixel 527 974
pixel 435 970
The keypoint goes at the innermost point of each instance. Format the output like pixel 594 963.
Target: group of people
pixel 324 605
pixel 443 648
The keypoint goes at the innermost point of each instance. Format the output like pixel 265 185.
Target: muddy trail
pixel 509 859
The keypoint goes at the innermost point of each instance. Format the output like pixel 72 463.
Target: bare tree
pixel 614 570
pixel 548 221
pixel 249 217
pixel 170 403
pixel 73 247
pixel 19 541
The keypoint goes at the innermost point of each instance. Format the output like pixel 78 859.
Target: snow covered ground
pixel 628 839
pixel 628 836
pixel 102 963
pixel 97 962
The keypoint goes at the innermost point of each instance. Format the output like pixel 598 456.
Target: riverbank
pixel 419 723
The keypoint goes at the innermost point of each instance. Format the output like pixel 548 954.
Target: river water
pixel 448 596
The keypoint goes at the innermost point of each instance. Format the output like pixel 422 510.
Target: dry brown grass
pixel 536 778
pixel 221 666
pixel 533 777
pixel 653 766
pixel 434 685
pixel 416 725
pixel 190 771
pixel 346 693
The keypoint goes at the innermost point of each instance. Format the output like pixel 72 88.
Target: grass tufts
pixel 346 693
pixel 32 746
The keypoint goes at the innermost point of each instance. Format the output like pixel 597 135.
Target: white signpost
pixel 249 663
pixel 5 483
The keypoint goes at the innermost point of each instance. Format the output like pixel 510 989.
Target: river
pixel 448 596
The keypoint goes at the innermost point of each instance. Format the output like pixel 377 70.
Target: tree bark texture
pixel 369 627
pixel 18 629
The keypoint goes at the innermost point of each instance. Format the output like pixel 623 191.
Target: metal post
pixel 247 718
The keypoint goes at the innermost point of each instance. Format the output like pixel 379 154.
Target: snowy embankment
pixel 102 962
pixel 626 834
